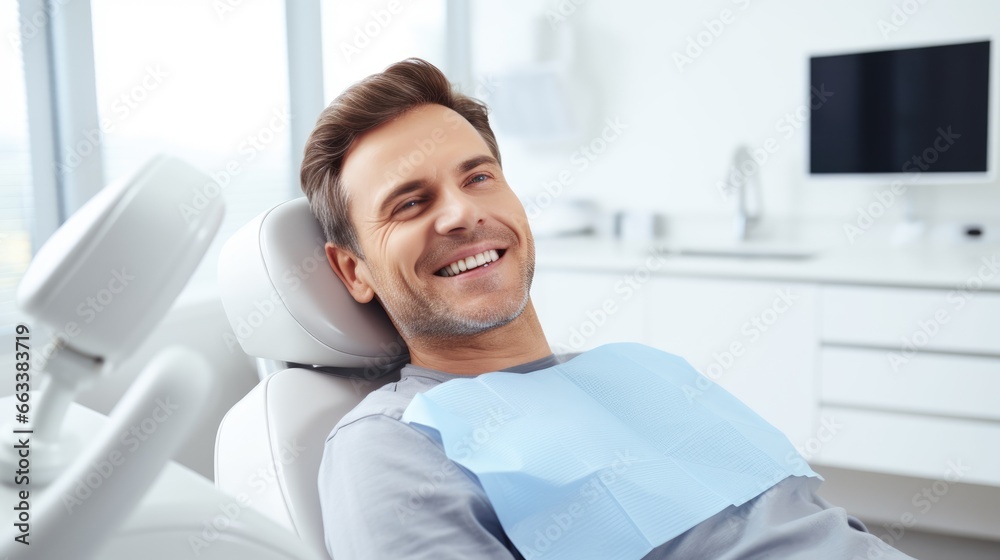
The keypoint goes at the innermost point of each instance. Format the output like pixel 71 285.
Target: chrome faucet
pixel 746 182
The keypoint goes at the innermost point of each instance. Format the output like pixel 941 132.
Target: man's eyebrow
pixel 399 191
pixel 474 162
pixel 416 184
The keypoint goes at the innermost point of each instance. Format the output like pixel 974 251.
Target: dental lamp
pixel 82 484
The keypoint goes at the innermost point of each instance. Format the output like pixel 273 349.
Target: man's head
pixel 404 175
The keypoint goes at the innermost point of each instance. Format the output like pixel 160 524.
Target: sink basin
pixel 764 252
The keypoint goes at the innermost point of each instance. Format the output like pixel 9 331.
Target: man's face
pixel 426 192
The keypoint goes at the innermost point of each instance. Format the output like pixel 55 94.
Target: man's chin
pixel 478 323
pixel 463 322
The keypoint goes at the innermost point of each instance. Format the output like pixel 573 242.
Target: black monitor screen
pixel 901 111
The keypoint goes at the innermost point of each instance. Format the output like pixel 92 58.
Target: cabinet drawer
pixel 905 319
pixel 926 383
pixel 912 445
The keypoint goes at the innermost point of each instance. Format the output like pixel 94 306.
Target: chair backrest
pixel 286 304
pixel 269 445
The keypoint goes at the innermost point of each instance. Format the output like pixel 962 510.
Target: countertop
pixel 971 266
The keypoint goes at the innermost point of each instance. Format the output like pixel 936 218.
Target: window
pixel 16 197
pixel 205 81
pixel 202 83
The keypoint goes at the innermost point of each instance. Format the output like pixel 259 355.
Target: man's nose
pixel 457 211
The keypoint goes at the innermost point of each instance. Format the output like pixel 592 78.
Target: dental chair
pixel 319 353
pixel 91 485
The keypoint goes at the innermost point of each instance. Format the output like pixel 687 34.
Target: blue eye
pixel 406 205
pixel 483 175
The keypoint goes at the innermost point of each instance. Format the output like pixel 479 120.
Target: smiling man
pixel 405 176
pixel 442 242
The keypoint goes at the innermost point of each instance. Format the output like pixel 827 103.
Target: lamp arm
pixel 163 404
pixel 69 371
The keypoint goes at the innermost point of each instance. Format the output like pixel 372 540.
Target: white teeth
pixel 469 263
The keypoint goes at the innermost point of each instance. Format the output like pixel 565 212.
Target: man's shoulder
pixel 390 401
pixel 382 402
pixel 386 402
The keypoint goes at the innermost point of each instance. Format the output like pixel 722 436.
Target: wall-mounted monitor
pixel 916 110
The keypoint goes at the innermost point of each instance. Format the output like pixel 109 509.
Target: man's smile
pixel 473 265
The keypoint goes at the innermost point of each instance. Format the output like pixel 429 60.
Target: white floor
pixel 965 509
pixel 930 545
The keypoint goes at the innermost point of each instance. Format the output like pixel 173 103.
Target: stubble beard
pixel 420 316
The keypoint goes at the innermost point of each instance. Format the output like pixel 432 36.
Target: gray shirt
pixel 387 490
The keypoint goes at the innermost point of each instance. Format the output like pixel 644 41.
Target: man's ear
pixel 347 266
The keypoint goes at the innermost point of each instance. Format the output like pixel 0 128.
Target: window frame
pixel 62 110
pixel 43 133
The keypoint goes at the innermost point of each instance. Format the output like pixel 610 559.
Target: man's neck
pixel 515 343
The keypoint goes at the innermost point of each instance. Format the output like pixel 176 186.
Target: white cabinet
pixel 935 448
pixel 906 319
pixel 756 339
pixel 927 383
pixel 912 378
pixel 892 380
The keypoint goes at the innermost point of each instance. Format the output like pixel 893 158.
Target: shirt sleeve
pixel 389 491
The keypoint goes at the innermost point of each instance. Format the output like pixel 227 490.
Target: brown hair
pixel 363 106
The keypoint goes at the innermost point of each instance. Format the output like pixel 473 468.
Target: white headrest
pixel 285 303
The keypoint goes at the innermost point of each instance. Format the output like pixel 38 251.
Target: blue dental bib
pixel 607 455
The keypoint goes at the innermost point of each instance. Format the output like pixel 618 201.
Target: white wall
pixel 683 125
